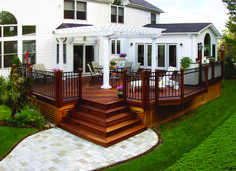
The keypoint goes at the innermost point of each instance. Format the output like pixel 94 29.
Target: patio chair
pixel 95 65
pixel 95 76
pixel 128 66
pixel 41 71
pixel 136 68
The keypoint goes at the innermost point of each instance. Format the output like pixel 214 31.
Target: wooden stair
pixel 103 124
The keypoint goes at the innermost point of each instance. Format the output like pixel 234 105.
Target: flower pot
pixel 120 96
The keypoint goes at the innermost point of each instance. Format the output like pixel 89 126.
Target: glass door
pixel 144 53
pixel 172 55
pixel 83 55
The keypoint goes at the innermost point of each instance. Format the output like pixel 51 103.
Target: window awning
pixel 111 31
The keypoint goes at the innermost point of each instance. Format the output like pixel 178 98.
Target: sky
pixel 193 11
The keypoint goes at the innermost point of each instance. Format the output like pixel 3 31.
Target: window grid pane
pixel 69 5
pixel 118 47
pixel 153 18
pixel 29 30
pixel 9 31
pixel 81 6
pixel 161 55
pixel 149 55
pixel 141 54
pixel 30 46
pixel 113 47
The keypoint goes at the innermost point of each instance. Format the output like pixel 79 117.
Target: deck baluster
pixel 157 86
pixel 124 85
pixel 207 67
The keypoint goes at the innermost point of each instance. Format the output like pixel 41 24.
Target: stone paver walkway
pixel 56 149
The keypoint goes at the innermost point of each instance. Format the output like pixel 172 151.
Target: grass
pixel 9 136
pixel 183 135
pixel 217 152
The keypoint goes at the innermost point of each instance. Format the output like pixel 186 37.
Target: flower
pixel 123 54
pixel 114 74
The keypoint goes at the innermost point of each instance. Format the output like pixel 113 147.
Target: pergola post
pixel 106 84
pixel 61 53
pixel 154 54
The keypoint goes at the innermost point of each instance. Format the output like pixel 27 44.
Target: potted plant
pixel 120 91
pixel 113 64
pixel 123 55
pixel 185 62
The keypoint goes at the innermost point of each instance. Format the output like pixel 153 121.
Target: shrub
pixel 229 71
pixel 5 113
pixel 15 92
pixel 185 61
pixel 28 117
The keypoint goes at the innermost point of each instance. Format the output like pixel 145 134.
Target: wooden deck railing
pixel 145 88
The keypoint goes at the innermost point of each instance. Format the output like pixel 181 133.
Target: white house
pixel 69 34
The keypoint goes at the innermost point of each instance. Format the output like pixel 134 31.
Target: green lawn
pixel 9 136
pixel 183 135
pixel 217 152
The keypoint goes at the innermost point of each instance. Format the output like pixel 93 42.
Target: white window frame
pixel 76 10
pixel 116 46
pixel 117 14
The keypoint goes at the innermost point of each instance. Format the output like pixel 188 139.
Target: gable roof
pixel 185 28
pixel 142 4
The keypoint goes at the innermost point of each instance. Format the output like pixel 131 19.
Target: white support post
pixel 61 53
pixel 154 55
pixel 106 84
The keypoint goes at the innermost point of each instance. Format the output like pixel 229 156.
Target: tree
pixel 230 35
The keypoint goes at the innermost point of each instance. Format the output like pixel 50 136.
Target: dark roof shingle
pixel 145 4
pixel 68 25
pixel 180 27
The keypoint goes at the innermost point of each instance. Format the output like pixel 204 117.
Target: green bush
pixel 5 113
pixel 185 61
pixel 230 71
pixel 28 117
pixel 15 92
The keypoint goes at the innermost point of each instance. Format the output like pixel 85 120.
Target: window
pixel 29 45
pixel 64 53
pixel 29 30
pixel 161 55
pixel 115 46
pixel 75 10
pixel 207 45
pixel 153 18
pixel 10 49
pixel 117 14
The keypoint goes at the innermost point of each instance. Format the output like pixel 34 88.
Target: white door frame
pixel 145 66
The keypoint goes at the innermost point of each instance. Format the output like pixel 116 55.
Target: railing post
pixel 30 74
pixel 207 67
pixel 182 84
pixel 144 90
pixel 56 88
pixel 124 85
pixel 148 73
pixel 80 70
pixel 213 70
pixel 60 90
pixel 157 86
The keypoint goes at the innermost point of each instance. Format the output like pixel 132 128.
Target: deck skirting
pixel 162 114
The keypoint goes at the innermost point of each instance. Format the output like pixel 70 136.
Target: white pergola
pixel 109 32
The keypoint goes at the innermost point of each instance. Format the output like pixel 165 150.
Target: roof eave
pixel 144 8
pixel 216 32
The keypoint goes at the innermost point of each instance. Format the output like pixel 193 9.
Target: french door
pixel 83 55
pixel 144 55
pixel 167 54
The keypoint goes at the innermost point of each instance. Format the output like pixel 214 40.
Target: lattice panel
pixel 49 111
pixel 139 112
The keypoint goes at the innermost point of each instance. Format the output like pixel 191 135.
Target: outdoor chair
pixel 136 68
pixel 41 72
pixel 95 76
pixel 162 82
pixel 95 65
pixel 128 66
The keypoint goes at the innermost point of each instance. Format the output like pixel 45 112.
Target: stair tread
pixel 103 129
pixel 99 118
pixel 83 132
pixel 102 110
pixel 126 132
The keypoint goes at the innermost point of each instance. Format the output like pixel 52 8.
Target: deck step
pixel 102 121
pixel 103 124
pixel 109 131
pixel 102 112
pixel 100 140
